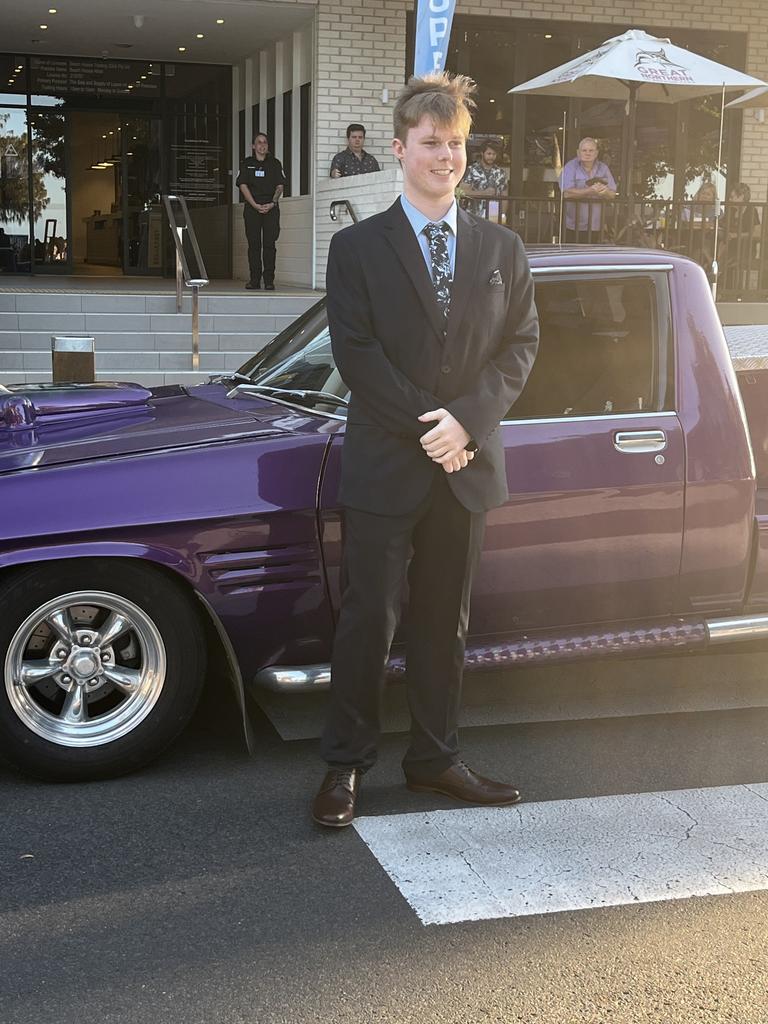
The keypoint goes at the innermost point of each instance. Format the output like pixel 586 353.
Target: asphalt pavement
pixel 199 892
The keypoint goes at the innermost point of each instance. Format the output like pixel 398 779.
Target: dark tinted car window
pixel 602 350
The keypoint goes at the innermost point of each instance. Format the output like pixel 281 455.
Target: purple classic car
pixel 144 532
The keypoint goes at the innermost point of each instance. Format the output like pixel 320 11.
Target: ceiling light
pixel 548 35
pixel 182 49
pixel 219 21
pixel 200 35
pixel 51 10
pixel 143 77
pixel 130 86
pixel 491 101
pixel 43 27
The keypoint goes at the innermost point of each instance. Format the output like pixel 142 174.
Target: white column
pixel 236 154
pixel 263 89
pixel 277 145
pixel 298 79
pixel 248 99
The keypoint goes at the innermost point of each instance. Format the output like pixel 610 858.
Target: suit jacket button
pixel 445 369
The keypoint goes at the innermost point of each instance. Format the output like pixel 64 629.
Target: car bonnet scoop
pixel 22 404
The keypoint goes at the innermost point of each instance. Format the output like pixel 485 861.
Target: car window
pixel 603 348
pixel 300 357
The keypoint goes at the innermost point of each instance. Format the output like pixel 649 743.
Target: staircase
pixel 139 336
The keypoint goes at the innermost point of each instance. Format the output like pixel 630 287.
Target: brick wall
pixel 367 194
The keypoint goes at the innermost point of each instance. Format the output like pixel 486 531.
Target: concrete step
pixel 40 341
pixel 81 302
pixel 128 362
pixel 143 323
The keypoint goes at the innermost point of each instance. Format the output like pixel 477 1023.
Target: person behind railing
pixel 700 214
pixel 739 235
pixel 589 180
pixel 7 255
pixel 483 180
pixel 354 159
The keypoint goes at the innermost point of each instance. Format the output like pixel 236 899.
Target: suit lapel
pixel 468 244
pixel 399 234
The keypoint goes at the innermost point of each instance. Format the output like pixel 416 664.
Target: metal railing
pixel 345 205
pixel 730 240
pixel 185 242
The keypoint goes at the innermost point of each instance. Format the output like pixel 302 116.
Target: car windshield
pixel 299 358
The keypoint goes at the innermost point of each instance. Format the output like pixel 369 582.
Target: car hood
pixel 48 424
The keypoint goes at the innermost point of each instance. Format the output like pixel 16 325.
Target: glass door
pixel 142 212
pixel 49 189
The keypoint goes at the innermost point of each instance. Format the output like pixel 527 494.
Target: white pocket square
pixel 495 279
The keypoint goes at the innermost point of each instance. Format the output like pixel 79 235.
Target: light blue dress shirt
pixel 419 221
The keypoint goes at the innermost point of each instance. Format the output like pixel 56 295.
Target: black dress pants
pixel 262 231
pixel 443 541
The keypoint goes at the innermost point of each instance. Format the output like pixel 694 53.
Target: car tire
pixel 104 663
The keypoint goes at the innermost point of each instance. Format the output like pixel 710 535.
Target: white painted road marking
pixel 475 863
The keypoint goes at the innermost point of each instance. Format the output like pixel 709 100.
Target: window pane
pixel 13 79
pixel 49 183
pixel 598 351
pixel 14 191
pixel 544 115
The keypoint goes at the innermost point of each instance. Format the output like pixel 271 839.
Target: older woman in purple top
pixel 586 178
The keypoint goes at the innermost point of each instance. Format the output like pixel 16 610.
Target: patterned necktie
pixel 437 236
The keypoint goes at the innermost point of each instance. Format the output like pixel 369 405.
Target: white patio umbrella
pixel 638 67
pixel 753 100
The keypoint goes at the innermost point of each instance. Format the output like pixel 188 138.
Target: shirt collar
pixel 419 221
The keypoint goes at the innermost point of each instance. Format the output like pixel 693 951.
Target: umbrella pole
pixel 715 267
pixel 627 150
pixel 562 162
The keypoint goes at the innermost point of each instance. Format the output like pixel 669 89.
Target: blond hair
pixel 447 99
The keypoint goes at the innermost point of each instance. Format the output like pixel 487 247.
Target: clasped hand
pixel 263 207
pixel 446 442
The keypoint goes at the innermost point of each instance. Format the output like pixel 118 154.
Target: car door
pixel 595 456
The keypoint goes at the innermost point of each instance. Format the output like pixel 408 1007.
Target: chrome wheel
pixel 85 668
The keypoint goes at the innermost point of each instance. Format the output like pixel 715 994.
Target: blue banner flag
pixel 433 30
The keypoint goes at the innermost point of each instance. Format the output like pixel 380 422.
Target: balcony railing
pixel 687 227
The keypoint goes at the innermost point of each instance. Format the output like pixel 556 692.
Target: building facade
pixel 72 197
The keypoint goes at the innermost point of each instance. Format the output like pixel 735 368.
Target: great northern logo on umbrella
pixel 655 66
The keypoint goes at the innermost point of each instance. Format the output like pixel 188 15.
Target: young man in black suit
pixel 434 330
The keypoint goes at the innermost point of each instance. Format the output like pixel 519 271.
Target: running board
pixel 681 634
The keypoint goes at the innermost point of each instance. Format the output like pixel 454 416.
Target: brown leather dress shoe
pixel 460 782
pixel 334 804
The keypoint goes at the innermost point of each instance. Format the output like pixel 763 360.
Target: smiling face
pixel 260 147
pixel 433 158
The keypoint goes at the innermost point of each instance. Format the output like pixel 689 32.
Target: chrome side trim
pixel 299 679
pixel 615 640
pixel 613 268
pixel 603 416
pixel 738 629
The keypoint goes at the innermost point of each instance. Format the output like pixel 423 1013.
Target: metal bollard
pixel 73 360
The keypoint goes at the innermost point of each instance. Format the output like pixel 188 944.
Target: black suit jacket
pixel 400 357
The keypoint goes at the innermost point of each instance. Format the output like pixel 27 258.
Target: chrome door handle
pixel 639 441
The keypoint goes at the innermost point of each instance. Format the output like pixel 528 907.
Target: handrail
pixel 347 205
pixel 178 227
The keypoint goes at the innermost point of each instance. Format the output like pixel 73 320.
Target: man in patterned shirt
pixel 353 159
pixel 484 178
